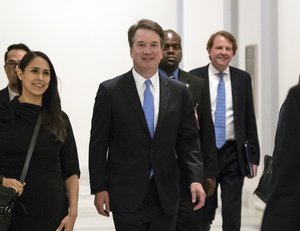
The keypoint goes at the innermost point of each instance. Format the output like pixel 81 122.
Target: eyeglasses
pixel 12 64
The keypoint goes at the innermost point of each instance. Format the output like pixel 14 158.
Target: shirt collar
pixel 175 73
pixel 11 93
pixel 214 71
pixel 140 80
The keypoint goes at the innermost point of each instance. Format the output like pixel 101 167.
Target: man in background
pixel 232 109
pixel 12 58
pixel 187 218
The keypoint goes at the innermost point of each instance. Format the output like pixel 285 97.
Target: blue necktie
pixel 148 107
pixel 220 115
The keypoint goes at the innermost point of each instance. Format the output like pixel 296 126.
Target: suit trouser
pixel 150 217
pixel 190 220
pixel 186 217
pixel 231 183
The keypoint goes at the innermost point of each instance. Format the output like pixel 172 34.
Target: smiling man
pixel 140 121
pixel 233 114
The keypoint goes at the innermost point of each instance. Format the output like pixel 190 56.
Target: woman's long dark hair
pixel 52 114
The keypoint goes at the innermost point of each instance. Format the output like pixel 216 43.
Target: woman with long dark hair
pixel 48 199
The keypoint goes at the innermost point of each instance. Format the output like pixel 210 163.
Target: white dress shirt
pixel 213 87
pixel 11 93
pixel 154 88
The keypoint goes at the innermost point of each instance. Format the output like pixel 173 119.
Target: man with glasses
pixel 12 57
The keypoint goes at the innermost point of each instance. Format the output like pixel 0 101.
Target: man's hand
pixel 101 203
pixel 211 186
pixel 198 195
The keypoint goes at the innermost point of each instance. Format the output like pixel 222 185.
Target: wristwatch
pixel 1 178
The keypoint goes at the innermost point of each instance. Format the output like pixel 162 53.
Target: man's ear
pixel 19 72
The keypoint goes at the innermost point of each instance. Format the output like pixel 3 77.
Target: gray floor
pixel 89 220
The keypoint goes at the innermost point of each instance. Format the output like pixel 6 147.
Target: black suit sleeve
pixel 99 140
pixel 188 145
pixel 207 136
pixel 250 123
pixel 283 209
pixel 206 133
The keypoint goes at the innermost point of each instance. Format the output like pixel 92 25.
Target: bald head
pixel 171 34
pixel 172 53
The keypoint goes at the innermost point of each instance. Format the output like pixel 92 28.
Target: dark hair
pixel 53 117
pixel 226 35
pixel 18 46
pixel 149 25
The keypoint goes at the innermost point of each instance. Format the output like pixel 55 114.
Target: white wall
pixel 249 33
pixel 201 19
pixel 289 45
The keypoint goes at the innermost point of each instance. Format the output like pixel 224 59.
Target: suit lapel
pixel 184 78
pixel 130 92
pixel 204 75
pixel 7 94
pixel 163 102
pixel 234 90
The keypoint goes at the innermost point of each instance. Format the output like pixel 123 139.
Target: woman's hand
pixel 67 224
pixel 14 184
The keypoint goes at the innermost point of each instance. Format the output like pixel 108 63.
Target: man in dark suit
pixel 283 207
pixel 12 57
pixel 187 218
pixel 238 126
pixel 134 157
